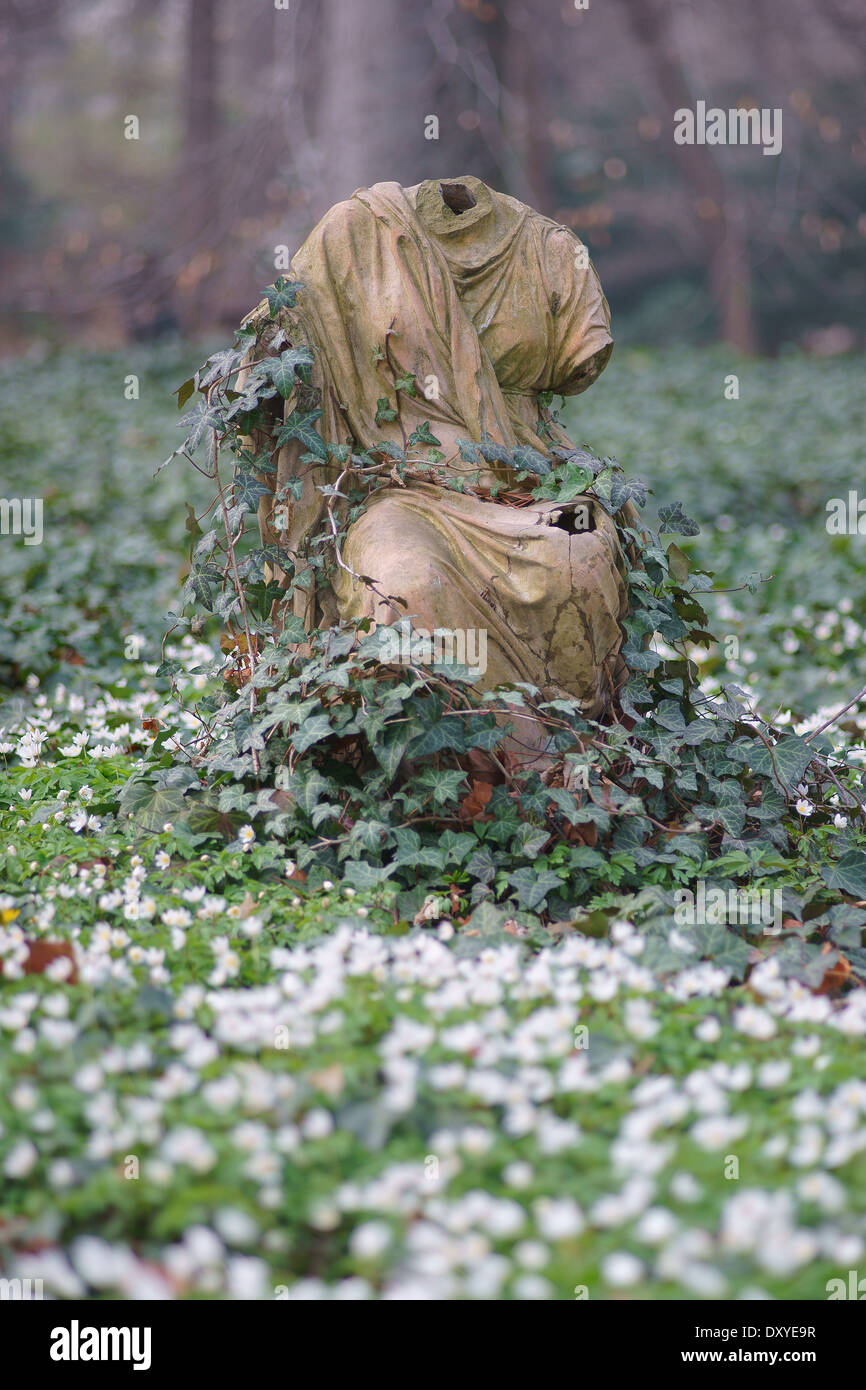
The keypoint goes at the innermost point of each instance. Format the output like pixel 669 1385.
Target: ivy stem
pixel 838 715
pixel 233 561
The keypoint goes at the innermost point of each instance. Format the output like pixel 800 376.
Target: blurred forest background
pixel 256 115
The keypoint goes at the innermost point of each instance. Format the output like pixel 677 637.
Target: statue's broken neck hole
pixel 457 197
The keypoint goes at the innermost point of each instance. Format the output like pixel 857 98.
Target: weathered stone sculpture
pixel 484 304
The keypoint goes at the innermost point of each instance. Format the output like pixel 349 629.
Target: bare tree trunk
pixel 200 98
pixel 198 197
pixel 468 54
pixel 374 57
pixel 722 229
pixel 435 58
pixel 526 74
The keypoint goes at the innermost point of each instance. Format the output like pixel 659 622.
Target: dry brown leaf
pixel 472 805
pixel 42 953
pixel 838 973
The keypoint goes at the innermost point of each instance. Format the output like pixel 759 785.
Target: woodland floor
pixel 229 1084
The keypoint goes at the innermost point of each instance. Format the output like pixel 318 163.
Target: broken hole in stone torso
pixel 457 197
pixel 576 520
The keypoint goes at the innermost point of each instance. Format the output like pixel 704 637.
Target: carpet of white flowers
pixel 207 1094
pixel 218 1081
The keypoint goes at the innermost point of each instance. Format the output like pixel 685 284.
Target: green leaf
pixel 482 865
pixel 282 294
pixel 527 459
pixel 313 730
pixel 301 425
pixel 247 490
pixel 445 785
pixel 722 946
pixel 196 422
pixel 678 563
pixel 673 518
pixel 532 888
pixel 205 819
pixel 727 814
pixel 623 489
pixel 307 790
pixel 281 370
pixel 390 751
pixel 151 807
pixel 184 392
pixel 848 874
pixel 220 364
pixel 786 761
pixel 670 715
pixel 423 435
pixel 364 876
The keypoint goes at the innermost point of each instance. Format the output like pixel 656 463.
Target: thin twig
pixel 838 715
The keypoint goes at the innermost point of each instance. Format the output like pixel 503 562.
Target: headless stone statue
pixel 485 304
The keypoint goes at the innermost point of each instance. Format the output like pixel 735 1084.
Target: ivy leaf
pixel 196 422
pixel 184 392
pixel 306 791
pixel 640 659
pixel 623 489
pixel 492 452
pixel 727 814
pixel 392 450
pixel 367 836
pixel 723 947
pixel 281 370
pixel 301 425
pixel 423 435
pixel 678 563
pixel 444 733
pixel 532 888
pixel 364 876
pixel 205 819
pixel 293 628
pixel 848 874
pixel 574 482
pixel 390 751
pixel 444 785
pixel 787 761
pixel 469 452
pixel 673 518
pixel 219 365
pixel 151 807
pixel 384 412
pixel 487 928
pixel 530 840
pixel 670 715
pixel 482 865
pixel 565 802
pixel 530 460
pixel 313 730
pixel 247 490
pixel 282 294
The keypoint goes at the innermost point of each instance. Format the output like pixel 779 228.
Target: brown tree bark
pixel 198 196
pixel 722 228
pixel 200 89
